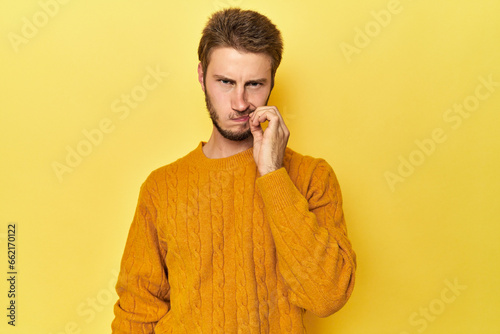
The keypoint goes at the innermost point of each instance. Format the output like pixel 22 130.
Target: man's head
pixel 243 30
pixel 239 54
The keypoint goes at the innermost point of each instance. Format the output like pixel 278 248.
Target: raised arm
pixel 315 257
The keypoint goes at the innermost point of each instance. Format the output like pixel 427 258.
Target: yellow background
pixel 362 111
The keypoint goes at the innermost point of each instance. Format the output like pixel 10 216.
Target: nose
pixel 239 101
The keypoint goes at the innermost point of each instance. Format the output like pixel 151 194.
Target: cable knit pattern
pixel 216 248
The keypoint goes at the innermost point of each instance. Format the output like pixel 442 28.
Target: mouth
pixel 241 119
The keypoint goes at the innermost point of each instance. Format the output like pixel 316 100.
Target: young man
pixel 242 234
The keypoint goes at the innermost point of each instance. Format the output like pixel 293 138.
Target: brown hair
pixel 243 30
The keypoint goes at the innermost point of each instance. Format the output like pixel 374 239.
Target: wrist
pixel 268 169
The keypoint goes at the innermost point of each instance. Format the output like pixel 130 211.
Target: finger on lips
pixel 262 114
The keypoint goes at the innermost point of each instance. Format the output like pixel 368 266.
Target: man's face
pixel 235 84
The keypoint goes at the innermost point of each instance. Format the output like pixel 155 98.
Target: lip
pixel 241 119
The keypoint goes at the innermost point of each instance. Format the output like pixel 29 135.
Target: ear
pixel 200 76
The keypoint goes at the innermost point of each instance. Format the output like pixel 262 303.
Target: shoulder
pixel 296 163
pixel 308 172
pixel 170 172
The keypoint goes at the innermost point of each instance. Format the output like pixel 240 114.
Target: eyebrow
pixel 222 77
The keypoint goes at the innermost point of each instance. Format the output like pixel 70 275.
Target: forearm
pixel 315 257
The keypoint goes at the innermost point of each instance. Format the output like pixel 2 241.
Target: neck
pixel 219 147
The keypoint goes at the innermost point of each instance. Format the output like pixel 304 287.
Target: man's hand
pixel 268 146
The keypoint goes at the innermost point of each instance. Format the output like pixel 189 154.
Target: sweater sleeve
pixel 315 257
pixel 142 287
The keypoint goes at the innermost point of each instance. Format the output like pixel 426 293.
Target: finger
pixel 261 110
pixel 282 123
pixel 255 126
pixel 255 129
pixel 271 114
pixel 268 114
pixel 260 117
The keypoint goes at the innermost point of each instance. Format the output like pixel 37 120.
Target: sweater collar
pixel 231 162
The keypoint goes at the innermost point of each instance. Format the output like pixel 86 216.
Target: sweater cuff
pixel 277 188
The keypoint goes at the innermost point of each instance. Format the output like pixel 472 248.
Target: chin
pixel 233 135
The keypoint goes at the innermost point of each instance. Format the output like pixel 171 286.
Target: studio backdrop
pixel 401 97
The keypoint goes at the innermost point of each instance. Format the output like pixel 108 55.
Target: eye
pixel 254 84
pixel 225 82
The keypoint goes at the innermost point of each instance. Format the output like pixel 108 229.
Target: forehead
pixel 233 63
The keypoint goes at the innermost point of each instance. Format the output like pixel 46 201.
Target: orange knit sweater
pixel 216 248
